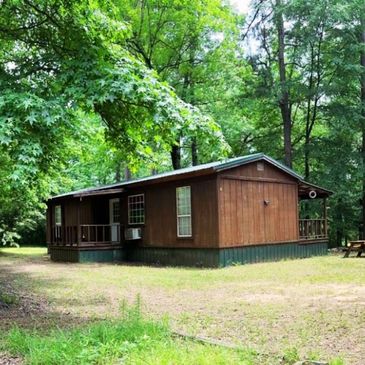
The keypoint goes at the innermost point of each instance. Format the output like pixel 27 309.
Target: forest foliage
pixel 92 91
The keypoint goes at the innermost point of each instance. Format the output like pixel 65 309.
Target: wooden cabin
pixel 239 210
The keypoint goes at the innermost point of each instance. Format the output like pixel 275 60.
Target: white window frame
pixel 58 206
pixel 183 215
pixel 129 210
pixel 111 210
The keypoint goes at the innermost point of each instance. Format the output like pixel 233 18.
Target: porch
pixel 86 235
pixel 103 235
pixel 86 221
pixel 312 203
pixel 312 229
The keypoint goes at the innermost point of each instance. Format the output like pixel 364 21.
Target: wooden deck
pixel 312 229
pixel 85 235
pixel 100 235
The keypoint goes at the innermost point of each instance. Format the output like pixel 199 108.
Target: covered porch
pixel 88 220
pixel 312 203
pixel 85 235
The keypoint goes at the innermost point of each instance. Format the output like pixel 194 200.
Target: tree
pixel 284 98
pixel 59 59
pixel 191 45
pixel 362 107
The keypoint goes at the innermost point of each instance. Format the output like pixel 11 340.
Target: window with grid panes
pixel 136 209
pixel 57 215
pixel 116 211
pixel 183 209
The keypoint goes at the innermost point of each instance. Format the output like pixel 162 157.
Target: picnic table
pixel 355 246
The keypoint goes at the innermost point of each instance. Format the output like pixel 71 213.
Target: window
pixel 183 208
pixel 136 209
pixel 57 215
pixel 114 209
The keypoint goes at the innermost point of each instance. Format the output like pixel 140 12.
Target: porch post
pixel 49 227
pixel 325 216
pixel 78 223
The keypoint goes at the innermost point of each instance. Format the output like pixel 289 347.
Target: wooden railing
pixel 85 234
pixel 99 233
pixel 64 235
pixel 312 229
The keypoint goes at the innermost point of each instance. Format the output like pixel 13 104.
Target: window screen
pixel 183 205
pixel 57 215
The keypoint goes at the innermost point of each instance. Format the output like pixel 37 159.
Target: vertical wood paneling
pixel 244 219
pixel 259 230
pixel 93 210
pixel 160 229
pixel 248 212
pixel 231 208
pixel 230 211
pixel 239 216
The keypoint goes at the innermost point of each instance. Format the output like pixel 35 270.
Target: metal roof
pixel 204 168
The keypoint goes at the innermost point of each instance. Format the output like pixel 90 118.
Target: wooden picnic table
pixel 355 246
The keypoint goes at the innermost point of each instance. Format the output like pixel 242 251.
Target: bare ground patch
pixel 6 359
pixel 267 307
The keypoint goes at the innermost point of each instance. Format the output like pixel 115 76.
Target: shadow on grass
pixel 30 309
pixel 36 331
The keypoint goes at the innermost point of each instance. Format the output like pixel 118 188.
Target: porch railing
pixel 312 229
pixel 100 233
pixel 64 235
pixel 85 234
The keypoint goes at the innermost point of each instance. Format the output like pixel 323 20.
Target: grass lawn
pixel 312 308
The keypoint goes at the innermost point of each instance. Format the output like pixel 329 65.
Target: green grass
pixel 129 340
pixel 23 252
pixel 8 299
pixel 290 309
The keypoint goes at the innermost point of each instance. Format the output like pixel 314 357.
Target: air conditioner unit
pixel 133 234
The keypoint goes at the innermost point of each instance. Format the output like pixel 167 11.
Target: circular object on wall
pixel 312 194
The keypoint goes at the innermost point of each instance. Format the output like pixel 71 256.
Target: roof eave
pixel 254 158
pixel 136 183
pixel 322 192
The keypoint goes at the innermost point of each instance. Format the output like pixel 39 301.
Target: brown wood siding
pixel 70 212
pixel 227 209
pixel 160 228
pixel 244 219
pixel 69 209
pixel 251 171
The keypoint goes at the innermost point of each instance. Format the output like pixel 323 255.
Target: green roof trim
pixel 211 167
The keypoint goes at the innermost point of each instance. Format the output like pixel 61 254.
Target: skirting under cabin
pixel 237 211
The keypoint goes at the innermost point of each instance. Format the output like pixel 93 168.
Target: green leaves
pixel 63 65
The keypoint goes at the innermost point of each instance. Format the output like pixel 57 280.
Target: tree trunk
pixel 339 223
pixel 362 106
pixel 118 173
pixel 194 152
pixel 284 102
pixel 306 159
pixel 127 174
pixel 176 156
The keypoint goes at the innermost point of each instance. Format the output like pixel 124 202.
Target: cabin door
pixel 114 219
pixel 280 212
